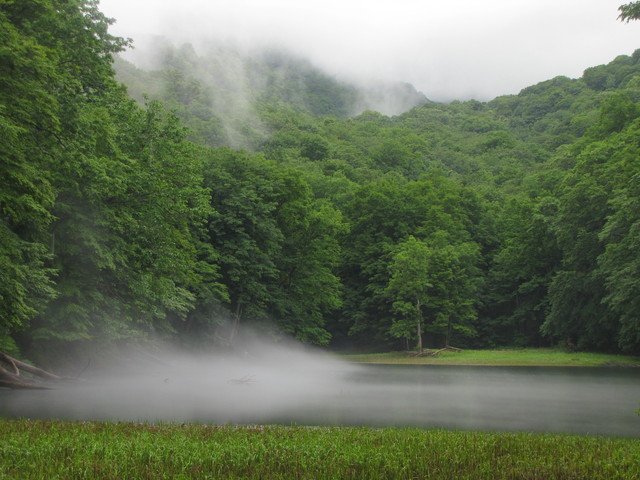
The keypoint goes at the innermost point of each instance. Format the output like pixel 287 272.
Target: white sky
pixel 448 49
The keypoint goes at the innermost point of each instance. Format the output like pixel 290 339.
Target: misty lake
pixel 315 390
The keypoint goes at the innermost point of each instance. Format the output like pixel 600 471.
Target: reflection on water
pixel 595 401
pixel 309 390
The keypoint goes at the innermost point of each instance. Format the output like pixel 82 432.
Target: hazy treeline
pixel 511 222
pixel 222 92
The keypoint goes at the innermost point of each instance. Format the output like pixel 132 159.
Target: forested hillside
pixel 222 92
pixel 513 222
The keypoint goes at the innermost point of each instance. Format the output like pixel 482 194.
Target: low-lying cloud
pixel 460 50
pixel 287 383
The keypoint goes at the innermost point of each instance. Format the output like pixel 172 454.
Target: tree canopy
pixel 132 214
pixel 629 11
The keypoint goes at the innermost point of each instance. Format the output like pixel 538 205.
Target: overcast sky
pixel 447 49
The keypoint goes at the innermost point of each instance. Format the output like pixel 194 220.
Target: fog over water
pixel 276 384
pixel 447 50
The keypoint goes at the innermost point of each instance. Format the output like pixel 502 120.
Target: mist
pixel 287 383
pixel 258 380
pixel 447 51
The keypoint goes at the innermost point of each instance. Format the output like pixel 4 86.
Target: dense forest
pixel 186 208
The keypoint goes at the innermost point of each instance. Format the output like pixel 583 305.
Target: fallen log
pixel 453 349
pixel 11 376
pixel 435 353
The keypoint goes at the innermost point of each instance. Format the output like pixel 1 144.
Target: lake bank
pixel 97 450
pixel 535 357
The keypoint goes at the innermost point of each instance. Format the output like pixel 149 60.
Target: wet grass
pixel 103 450
pixel 515 357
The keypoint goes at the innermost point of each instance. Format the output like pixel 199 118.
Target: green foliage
pixel 436 210
pixel 620 267
pixel 520 273
pixel 618 263
pixel 629 11
pixel 54 57
pixel 507 222
pixel 27 106
pixel 243 228
pixel 129 196
pixel 408 287
pixel 106 195
pixel 437 280
pixel 616 112
pixel 277 246
pixel 591 198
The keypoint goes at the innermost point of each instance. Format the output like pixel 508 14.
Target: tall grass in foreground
pixel 103 450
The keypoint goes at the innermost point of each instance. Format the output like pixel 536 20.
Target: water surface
pixel 314 390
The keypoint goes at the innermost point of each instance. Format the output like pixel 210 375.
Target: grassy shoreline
pixel 538 357
pixel 107 450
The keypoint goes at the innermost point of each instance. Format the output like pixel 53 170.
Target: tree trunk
pixel 236 323
pixel 12 377
pixel 419 325
pixel 448 334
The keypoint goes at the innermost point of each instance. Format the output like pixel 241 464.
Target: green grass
pixel 526 357
pixel 103 450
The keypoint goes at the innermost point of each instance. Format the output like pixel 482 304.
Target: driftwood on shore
pixel 435 353
pixel 12 374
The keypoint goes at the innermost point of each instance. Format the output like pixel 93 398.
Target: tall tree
pixel 28 126
pixel 434 285
pixel 620 264
pixel 243 230
pixel 522 269
pixel 129 198
pixel 456 280
pixel 409 286
pixel 277 247
pixel 384 214
pixel 308 287
pixel 55 58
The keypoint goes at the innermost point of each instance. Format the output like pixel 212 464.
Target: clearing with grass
pixel 539 357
